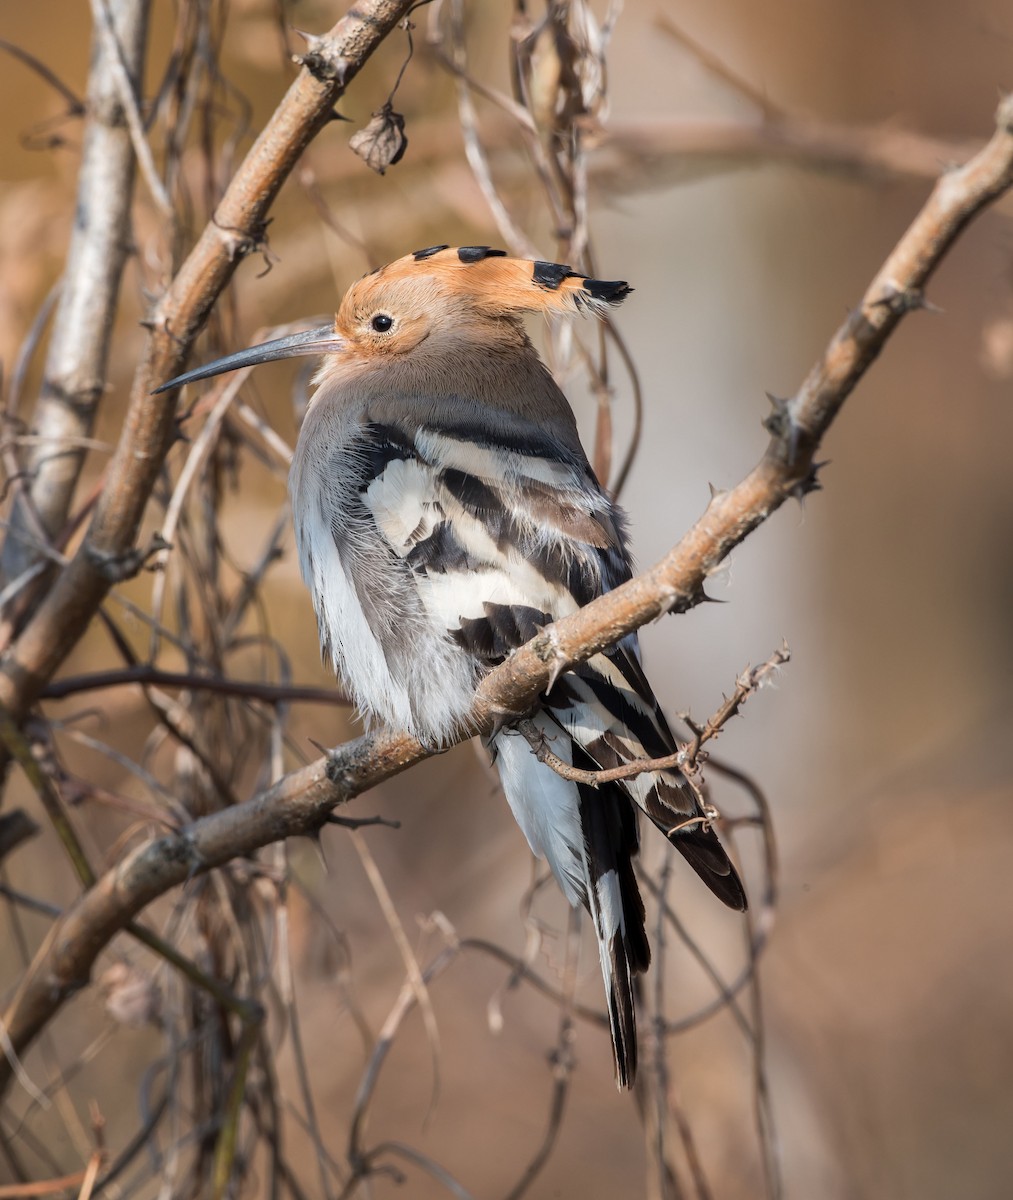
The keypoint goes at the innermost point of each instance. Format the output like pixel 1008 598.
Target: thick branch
pixel 300 803
pixel 78 353
pixel 235 231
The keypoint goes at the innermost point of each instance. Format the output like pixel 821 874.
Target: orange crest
pixel 495 284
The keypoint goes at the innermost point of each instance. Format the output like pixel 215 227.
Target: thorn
pixel 336 769
pixel 360 822
pixel 811 483
pixel 902 300
pixel 321 63
pixel 778 422
pixel 679 602
pixel 703 598
pixel 717 491
pixel 552 654
pixel 501 721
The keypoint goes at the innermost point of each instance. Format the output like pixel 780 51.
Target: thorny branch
pixel 684 759
pixel 300 802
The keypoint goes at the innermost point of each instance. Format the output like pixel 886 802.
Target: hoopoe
pixel 444 512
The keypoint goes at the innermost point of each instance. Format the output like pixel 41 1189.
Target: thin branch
pixel 748 683
pixel 119 72
pixel 478 160
pixel 684 759
pixel 716 66
pixel 74 105
pixel 45 1187
pixel 562 1062
pixel 413 972
pixel 361 1159
pixel 246 689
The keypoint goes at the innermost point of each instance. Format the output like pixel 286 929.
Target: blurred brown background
pixel 885 749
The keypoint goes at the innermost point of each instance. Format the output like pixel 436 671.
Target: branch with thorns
pixel 686 759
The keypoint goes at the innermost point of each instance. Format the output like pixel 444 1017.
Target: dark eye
pixel 381 322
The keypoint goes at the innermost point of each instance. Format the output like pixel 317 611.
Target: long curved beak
pixel 323 340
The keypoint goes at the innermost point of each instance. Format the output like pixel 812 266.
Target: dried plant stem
pixel 225 1147
pixel 46 1187
pixel 301 802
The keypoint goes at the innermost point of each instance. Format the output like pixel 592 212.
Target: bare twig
pixel 74 106
pixel 45 1187
pixel 247 689
pixel 413 972
pixel 684 759
pixel 749 682
pixel 124 77
pixel 716 65
pixel 562 1061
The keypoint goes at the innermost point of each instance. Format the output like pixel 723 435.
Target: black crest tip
pixel 610 291
pixel 428 252
pixel 473 254
pixel 551 275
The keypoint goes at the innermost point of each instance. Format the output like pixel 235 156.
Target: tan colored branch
pixel 300 802
pixel 236 230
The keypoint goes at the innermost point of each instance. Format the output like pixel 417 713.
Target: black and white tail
pixel 600 716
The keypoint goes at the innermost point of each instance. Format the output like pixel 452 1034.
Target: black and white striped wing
pixel 500 538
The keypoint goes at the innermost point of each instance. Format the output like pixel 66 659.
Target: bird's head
pixel 450 292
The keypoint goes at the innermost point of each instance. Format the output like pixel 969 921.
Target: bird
pixel 444 513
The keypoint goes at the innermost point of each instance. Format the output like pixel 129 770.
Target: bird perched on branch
pixel 445 512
